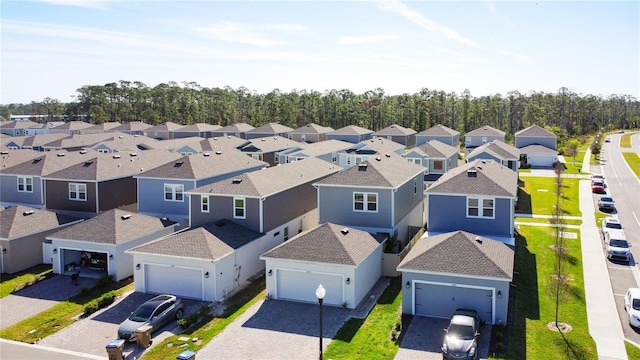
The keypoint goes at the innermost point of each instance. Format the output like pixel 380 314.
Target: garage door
pixel 302 285
pixel 175 280
pixel 541 160
pixel 442 300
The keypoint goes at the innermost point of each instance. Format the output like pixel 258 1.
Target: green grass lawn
pixel 633 352
pixel 60 315
pixel 536 196
pixel 210 326
pixel 17 281
pixel 634 162
pixel 370 338
pixel 534 307
pixel 625 140
pixel 545 221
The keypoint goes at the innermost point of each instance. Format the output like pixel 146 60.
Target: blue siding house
pixel 351 133
pixel 436 157
pixel 481 136
pixel 477 197
pixel 498 151
pixel 441 133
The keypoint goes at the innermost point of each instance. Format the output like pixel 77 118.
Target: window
pixel 239 208
pixel 103 151
pixel 415 186
pixel 173 192
pixel 480 207
pixel 25 184
pixel 303 138
pixel 367 202
pixel 78 192
pixel 204 204
pixel 484 139
pixel 186 153
pixel 256 156
pixel 438 165
pixel 417 161
pixel 286 233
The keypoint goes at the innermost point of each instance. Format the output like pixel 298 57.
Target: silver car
pixel 461 338
pixel 156 312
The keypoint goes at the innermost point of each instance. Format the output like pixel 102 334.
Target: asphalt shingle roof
pixel 18 124
pixel 114 226
pixel 328 243
pixel 351 130
pixel 9 158
pixel 210 241
pixel 132 126
pixel 439 130
pixel 437 149
pixel 271 128
pixel 312 129
pixel 166 126
pixel 269 144
pixel 394 129
pixel 198 128
pixel 239 127
pixel 485 131
pixel 103 127
pixel 48 162
pixel 537 149
pixel 478 177
pixel 535 130
pixel 460 253
pixel 17 221
pixel 504 151
pixel 322 147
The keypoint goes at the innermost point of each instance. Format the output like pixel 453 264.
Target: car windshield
pixel 598 183
pixel 142 313
pixel 461 332
pixel 606 199
pixel 614 226
pixel 619 243
pixel 636 304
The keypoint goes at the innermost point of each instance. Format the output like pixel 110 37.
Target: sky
pixel 51 48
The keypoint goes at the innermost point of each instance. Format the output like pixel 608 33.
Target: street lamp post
pixel 320 292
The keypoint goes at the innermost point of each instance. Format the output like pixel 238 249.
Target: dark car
pixel 461 337
pixel 156 312
pixel 598 187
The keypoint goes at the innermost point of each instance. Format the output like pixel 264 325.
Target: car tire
pixel 179 314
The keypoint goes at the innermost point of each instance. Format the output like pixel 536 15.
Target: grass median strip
pixel 14 282
pixel 634 162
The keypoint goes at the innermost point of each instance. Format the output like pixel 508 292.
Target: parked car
pixel 606 202
pixel 597 177
pixel 610 223
pixel 618 248
pixel 598 187
pixel 607 140
pixel 156 312
pixel 632 306
pixel 461 338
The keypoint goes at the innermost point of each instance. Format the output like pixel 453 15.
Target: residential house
pixel 101 182
pixel 441 133
pixel 538 146
pixel 436 157
pixel 538 156
pixel 454 270
pixel 37 142
pixel 347 262
pixel 326 150
pixel 238 130
pixel 267 149
pixel 132 128
pixel 381 195
pixel 78 141
pixel 163 131
pixel 350 133
pixel 269 130
pixel 196 130
pixel 70 128
pixel 161 189
pixel 101 128
pixel 13 142
pixel 478 197
pixel 123 143
pixel 498 151
pixel 16 128
pixel 182 146
pixel 481 136
pixel 97 246
pixel 368 149
pixel 208 263
pixel 399 134
pixel 310 133
pixel 22 236
pixel 222 143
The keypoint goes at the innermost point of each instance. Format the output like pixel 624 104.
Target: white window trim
pixel 26 184
pixel 174 192
pixel 365 205
pixel 204 204
pixel 417 161
pixel 481 207
pixel 244 208
pixel 76 188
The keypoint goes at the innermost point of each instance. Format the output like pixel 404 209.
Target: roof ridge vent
pixel 134 154
pixel 344 230
pixel 83 151
pixel 472 173
pixel 219 152
pixel 206 154
pixel 116 156
pixel 61 154
pixel 478 240
pixel 28 212
pixel 126 217
pixel 236 181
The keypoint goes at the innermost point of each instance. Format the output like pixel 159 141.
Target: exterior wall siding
pixel 57 197
pixel 287 205
pixel 349 138
pixel 151 199
pixel 449 140
pixel 406 199
pixel 522 141
pixel 9 194
pixel 221 207
pixel 476 141
pixel 336 206
pixel 116 193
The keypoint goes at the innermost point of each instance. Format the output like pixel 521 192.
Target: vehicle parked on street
pixel 632 306
pixel 607 139
pixel 618 248
pixel 156 312
pixel 597 177
pixel 610 223
pixel 606 202
pixel 461 338
pixel 598 187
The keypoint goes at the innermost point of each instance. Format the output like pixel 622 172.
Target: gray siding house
pixel 163 131
pixel 351 133
pixel 368 149
pixel 70 128
pixel 267 149
pixel 326 150
pixel 196 130
pixel 499 152
pixel 16 128
pixel 310 133
pixel 399 134
pixel 132 128
pixel 441 133
pixel 381 195
pixel 161 190
pixel 267 130
pixel 481 136
pixel 238 130
pixel 535 135
pixel 478 197
pixel 436 157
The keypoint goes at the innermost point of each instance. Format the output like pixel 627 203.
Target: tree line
pixel 567 113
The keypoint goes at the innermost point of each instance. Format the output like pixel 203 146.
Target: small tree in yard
pixel 559 276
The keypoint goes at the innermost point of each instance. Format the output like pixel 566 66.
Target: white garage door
pixel 541 160
pixel 302 285
pixel 175 280
pixel 442 300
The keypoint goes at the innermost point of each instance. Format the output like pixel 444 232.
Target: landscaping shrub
pixel 90 308
pixel 104 281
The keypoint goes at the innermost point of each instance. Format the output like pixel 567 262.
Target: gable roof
pixel 537 149
pixel 172 144
pixel 322 147
pixel 500 149
pixel 351 130
pixel 269 144
pixel 238 127
pixel 82 140
pixel 394 129
pixel 221 143
pixel 132 126
pixel 328 243
pixel 73 125
pixel 441 253
pixel 18 221
pixel 388 171
pixel 535 131
pixel 478 177
pixel 166 126
pixel 437 149
pixel 48 163
pixel 210 241
pixel 114 226
pixel 271 180
pixel 439 130
pixel 312 128
pixel 204 165
pixel 42 139
pixel 199 127
pixel 105 126
pixel 376 145
pixel 271 128
pixel 9 158
pixel 485 131
pixel 18 124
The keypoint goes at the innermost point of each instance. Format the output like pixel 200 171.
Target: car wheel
pixel 179 314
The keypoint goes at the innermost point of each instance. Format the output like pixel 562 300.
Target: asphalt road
pixel 624 187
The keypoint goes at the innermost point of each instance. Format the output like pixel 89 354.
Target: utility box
pixel 143 336
pixel 114 349
pixel 186 355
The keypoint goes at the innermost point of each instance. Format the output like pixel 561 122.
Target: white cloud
pixel 395 6
pixel 286 27
pixel 350 40
pixel 520 57
pixel 91 4
pixel 240 33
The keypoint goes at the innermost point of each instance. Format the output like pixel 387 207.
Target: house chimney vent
pixel 236 181
pixel 28 212
pixel 472 173
pixel 116 156
pixel 378 158
pixel 478 240
pixel 219 152
pixel 83 151
pixel 206 154
pixel 126 216
pixel 344 231
pixel 61 154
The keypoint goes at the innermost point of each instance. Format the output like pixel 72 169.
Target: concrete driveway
pixel 423 339
pixel 39 297
pixel 276 329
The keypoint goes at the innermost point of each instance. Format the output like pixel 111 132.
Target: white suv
pixel 632 306
pixel 617 246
